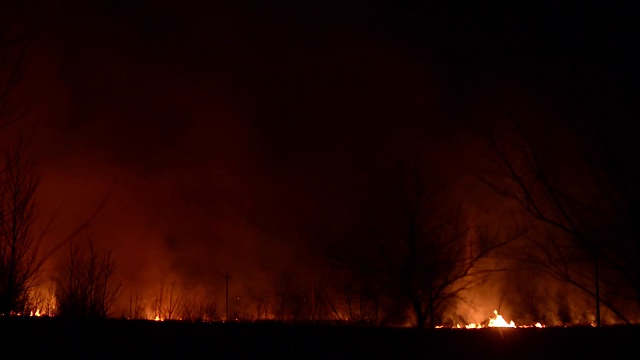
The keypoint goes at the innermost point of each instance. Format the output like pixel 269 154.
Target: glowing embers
pixel 499 321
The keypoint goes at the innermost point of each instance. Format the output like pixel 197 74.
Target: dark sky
pixel 234 134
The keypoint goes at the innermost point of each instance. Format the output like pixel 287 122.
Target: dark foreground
pixel 42 338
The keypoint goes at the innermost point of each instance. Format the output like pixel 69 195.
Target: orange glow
pixel 499 321
pixel 37 313
pixel 496 321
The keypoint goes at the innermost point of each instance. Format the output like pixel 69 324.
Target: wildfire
pixel 496 321
pixel 499 321
pixel 37 313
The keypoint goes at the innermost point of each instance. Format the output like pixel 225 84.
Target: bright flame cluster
pixel 497 321
pixel 37 313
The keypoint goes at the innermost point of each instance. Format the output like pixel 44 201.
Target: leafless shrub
pixel 199 308
pixel 167 301
pixel 86 286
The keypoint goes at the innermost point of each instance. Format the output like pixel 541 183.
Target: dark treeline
pixel 534 194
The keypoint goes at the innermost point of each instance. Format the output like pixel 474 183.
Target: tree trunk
pixel 597 280
pixel 420 315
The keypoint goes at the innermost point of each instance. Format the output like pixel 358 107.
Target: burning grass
pixel 497 321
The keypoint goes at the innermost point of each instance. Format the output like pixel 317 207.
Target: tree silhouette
pixel 22 254
pixel 18 182
pixel 419 249
pixel 578 182
pixel 199 308
pixel 19 270
pixel 136 307
pixel 87 287
pixel 167 301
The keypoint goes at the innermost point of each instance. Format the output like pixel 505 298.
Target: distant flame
pixel 499 321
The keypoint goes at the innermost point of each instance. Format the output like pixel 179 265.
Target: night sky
pixel 246 136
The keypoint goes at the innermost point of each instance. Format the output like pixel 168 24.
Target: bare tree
pixel 22 251
pixel 87 287
pixel 136 306
pixel 42 300
pixel 22 255
pixel 290 303
pixel 19 270
pixel 199 308
pixel 167 301
pixel 210 309
pixel 579 183
pixel 262 308
pixel 283 297
pixel 350 300
pixel 418 249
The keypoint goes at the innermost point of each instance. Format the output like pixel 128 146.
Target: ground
pixel 40 338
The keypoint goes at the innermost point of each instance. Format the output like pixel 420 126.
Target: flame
pixel 37 313
pixel 499 321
